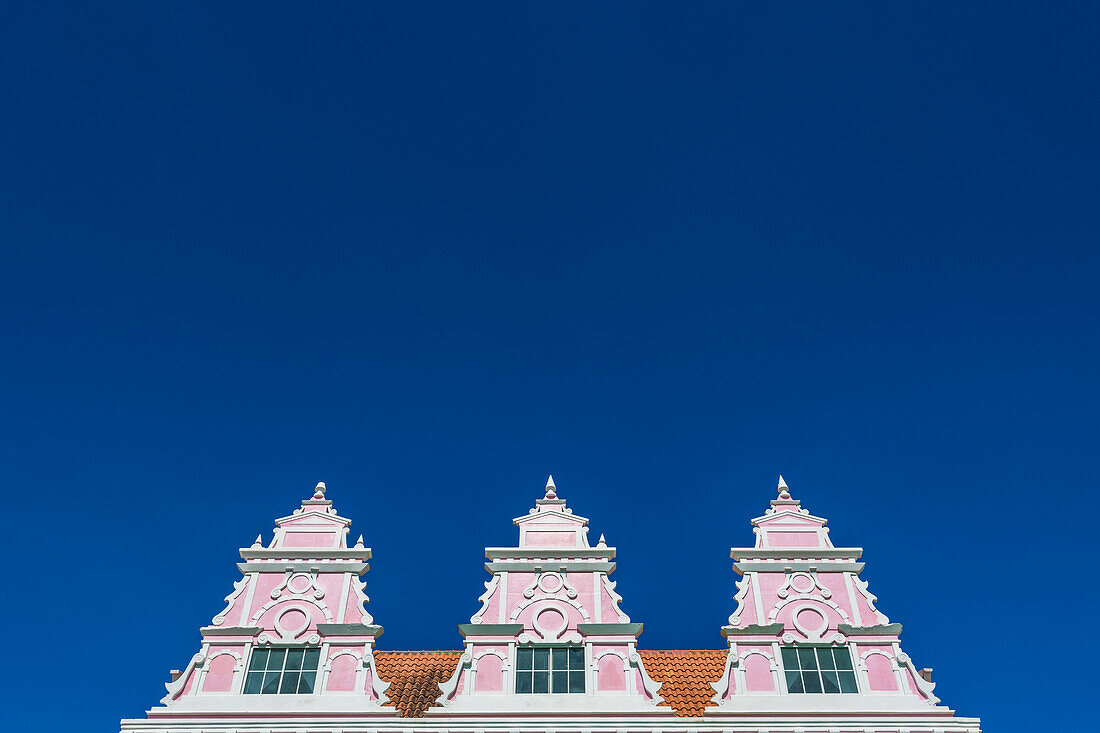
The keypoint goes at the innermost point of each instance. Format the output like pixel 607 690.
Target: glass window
pixel 282 671
pixel 553 669
pixel 818 669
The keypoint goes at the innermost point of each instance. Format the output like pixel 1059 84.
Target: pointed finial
pixel 319 491
pixel 784 490
pixel 259 541
pixel 359 543
pixel 602 542
pixel 551 490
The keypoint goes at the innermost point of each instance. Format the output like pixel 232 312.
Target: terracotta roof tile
pixel 414 677
pixel 686 676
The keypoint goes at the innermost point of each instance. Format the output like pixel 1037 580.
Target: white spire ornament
pixel 784 490
pixel 319 490
pixel 551 490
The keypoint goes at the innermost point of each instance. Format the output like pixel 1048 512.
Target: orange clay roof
pixel 686 676
pixel 414 677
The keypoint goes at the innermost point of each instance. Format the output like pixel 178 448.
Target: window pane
pixel 541 682
pixel 558 657
pixel 576 681
pixel 794 682
pixel 843 658
pixel 825 658
pixel 848 682
pixel 259 659
pixel 828 679
pixel 523 682
pixel 790 658
pixel 811 681
pixel 275 661
pixel 312 657
pixel 560 682
pixel 253 683
pixel 271 683
pixel 806 658
pixel 542 658
pixel 305 687
pixel 523 658
pixel 576 658
pixel 290 683
pixel 294 658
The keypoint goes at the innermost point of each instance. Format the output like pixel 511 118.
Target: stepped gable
pixel 802 607
pixel 299 601
pixel 551 594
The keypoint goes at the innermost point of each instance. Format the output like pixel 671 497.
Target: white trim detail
pixel 742 586
pixel 200 681
pixel 483 599
pixel 616 599
pixel 175 688
pixel 861 586
pixel 238 588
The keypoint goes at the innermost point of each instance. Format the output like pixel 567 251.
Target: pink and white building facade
pixel 549 646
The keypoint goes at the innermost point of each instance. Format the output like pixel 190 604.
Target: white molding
pixel 850 587
pixel 651 686
pixel 447 689
pixel 246 607
pixel 502 600
pixel 345 586
pixel 175 688
pixel 610 585
pixel 238 587
pixel 757 598
pixel 294 599
pixel 801 597
pixel 861 586
pixel 490 587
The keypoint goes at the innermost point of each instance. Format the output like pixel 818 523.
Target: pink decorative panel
pixel 220 676
pixel 551 539
pixel 610 672
pixel 342 676
pixel 758 674
pixel 490 674
pixel 880 670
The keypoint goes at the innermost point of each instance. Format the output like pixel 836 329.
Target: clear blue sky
pixel 429 253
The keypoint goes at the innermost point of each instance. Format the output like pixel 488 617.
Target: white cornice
pixel 795 553
pixel 529 566
pixel 299 553
pixel 774 566
pixel 541 514
pixel 789 513
pixel 495 553
pixel 303 566
pixel 385 720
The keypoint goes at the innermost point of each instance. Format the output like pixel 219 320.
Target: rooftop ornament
pixel 784 490
pixel 551 490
